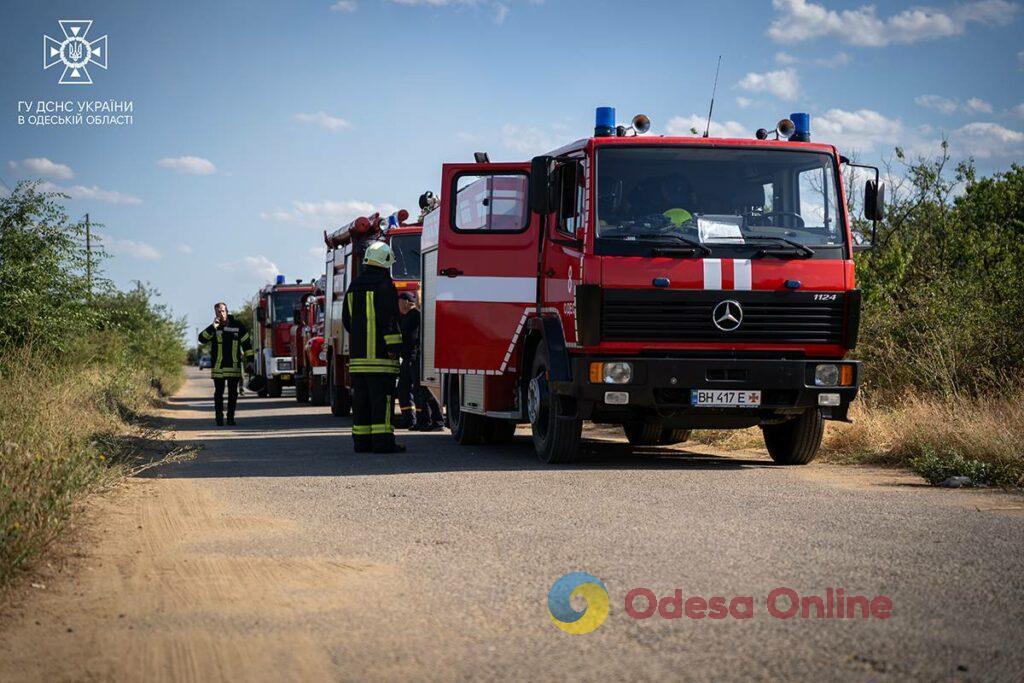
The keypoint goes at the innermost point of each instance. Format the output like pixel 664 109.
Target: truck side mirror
pixel 874 200
pixel 540 185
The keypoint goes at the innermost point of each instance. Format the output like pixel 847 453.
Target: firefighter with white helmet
pixel 370 316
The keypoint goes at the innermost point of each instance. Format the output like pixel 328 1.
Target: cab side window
pixel 494 203
pixel 572 186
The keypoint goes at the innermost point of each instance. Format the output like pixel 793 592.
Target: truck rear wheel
pixel 316 392
pixel 796 441
pixel 274 387
pixel 340 399
pixel 556 438
pixel 643 433
pixel 467 428
pixel 301 389
pixel 671 436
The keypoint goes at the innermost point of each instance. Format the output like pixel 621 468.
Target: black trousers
pixel 427 409
pixel 373 395
pixel 408 381
pixel 218 396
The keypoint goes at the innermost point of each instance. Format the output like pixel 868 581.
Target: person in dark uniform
pixel 230 346
pixel 410 391
pixel 370 316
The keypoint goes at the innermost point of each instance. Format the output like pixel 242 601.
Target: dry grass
pixel 62 433
pixel 984 430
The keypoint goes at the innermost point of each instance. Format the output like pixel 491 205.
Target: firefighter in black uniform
pixel 410 391
pixel 370 316
pixel 230 346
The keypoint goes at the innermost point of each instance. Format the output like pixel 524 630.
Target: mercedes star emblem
pixel 727 315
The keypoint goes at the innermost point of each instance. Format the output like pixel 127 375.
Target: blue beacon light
pixel 802 127
pixel 279 280
pixel 604 122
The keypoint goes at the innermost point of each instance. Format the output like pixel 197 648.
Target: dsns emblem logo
pixel 75 52
pixel 588 587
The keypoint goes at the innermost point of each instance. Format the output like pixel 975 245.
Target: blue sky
pixel 259 124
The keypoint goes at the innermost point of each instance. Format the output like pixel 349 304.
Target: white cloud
pixel 42 166
pixel 185 249
pixel 681 125
pixel 258 267
pixel 345 6
pixel 94 193
pixel 784 83
pixel 188 164
pixel 501 9
pixel 129 248
pixel 1018 111
pixel 324 120
pixel 784 58
pixel 1020 59
pixel 530 140
pixel 835 61
pixel 802 20
pixel 937 102
pixel 978 106
pixel 949 105
pixel 984 140
pixel 743 102
pixel 327 214
pixel 862 130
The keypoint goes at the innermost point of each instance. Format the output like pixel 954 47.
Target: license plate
pixel 286 377
pixel 721 398
pixel 319 369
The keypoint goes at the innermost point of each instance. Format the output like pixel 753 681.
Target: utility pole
pixel 88 255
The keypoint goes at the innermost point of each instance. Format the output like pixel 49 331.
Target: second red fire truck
pixel 272 324
pixel 308 356
pixel 658 283
pixel 345 248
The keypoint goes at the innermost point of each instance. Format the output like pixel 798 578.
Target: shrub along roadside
pixel 80 362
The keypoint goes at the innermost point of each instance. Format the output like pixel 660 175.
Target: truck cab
pixel 274 318
pixel 658 283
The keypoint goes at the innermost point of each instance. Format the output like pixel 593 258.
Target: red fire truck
pixel 658 283
pixel 345 248
pixel 308 361
pixel 274 317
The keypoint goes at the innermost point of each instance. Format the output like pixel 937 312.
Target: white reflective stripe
pixel 741 276
pixel 712 273
pixel 490 289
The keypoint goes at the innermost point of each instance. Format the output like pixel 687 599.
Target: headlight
pixel 322 355
pixel 826 375
pixel 611 373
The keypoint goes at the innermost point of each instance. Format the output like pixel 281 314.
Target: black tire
pixel 301 389
pixel 317 393
pixel 671 436
pixel 500 431
pixel 796 441
pixel 467 428
pixel 643 433
pixel 274 387
pixel 339 397
pixel 555 439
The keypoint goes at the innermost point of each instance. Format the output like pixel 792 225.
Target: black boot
pixel 220 419
pixel 231 421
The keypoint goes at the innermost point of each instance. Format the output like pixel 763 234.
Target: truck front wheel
pixel 556 438
pixel 301 389
pixel 340 399
pixel 796 441
pixel 274 387
pixel 316 391
pixel 643 433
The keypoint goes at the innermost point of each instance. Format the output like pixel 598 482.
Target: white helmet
pixel 379 254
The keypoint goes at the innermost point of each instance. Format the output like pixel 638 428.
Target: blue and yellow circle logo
pixel 560 603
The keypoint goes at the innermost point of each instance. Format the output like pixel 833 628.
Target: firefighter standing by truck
pixel 410 391
pixel 230 345
pixel 370 316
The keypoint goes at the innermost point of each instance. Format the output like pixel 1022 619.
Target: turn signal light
pixel 846 375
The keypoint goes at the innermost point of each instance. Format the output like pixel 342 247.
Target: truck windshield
pixel 407 257
pixel 719 197
pixel 284 304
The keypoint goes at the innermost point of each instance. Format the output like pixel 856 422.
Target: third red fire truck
pixel 345 248
pixel 308 356
pixel 658 283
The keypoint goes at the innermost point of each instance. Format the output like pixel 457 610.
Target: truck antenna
pixel 714 89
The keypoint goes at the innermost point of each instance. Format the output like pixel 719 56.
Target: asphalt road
pixel 436 563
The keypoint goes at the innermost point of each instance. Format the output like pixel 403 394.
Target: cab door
pixel 486 282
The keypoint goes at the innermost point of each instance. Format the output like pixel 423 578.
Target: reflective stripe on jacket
pixel 230 346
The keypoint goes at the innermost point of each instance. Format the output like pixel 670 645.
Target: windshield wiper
pixel 804 250
pixel 690 244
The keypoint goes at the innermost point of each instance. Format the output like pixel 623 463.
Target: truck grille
pixel 686 316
